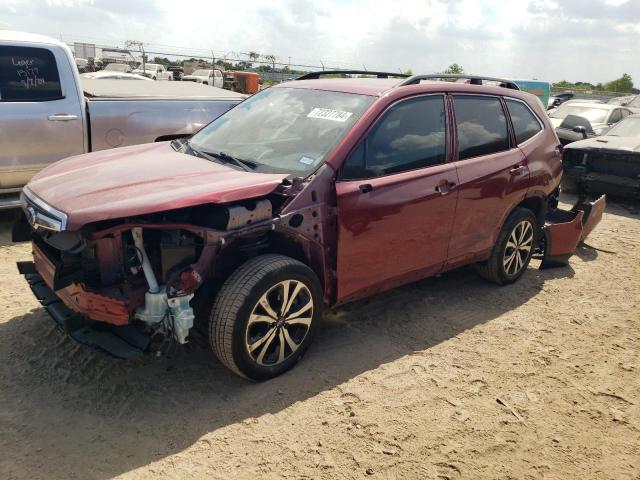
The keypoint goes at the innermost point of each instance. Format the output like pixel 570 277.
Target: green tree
pixel 408 71
pixel 623 84
pixel 454 69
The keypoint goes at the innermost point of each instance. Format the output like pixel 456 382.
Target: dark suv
pixel 305 196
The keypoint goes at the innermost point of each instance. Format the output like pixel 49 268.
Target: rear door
pixel 492 171
pixel 40 112
pixel 396 200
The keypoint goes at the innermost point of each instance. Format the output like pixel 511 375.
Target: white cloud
pixel 591 40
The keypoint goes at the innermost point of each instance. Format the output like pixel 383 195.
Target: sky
pixel 574 40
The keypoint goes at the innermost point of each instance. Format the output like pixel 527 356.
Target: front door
pixel 40 112
pixel 396 200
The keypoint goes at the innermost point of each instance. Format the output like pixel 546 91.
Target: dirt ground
pixel 446 378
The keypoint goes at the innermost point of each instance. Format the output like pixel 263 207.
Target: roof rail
pixel 317 75
pixel 473 79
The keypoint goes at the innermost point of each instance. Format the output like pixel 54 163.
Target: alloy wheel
pixel 279 322
pixel 518 248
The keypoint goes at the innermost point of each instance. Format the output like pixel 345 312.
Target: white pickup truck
pixel 206 77
pixel 154 71
pixel 48 113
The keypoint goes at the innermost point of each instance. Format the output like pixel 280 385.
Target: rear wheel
pixel 512 252
pixel 265 315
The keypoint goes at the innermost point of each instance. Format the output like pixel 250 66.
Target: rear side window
pixel 409 136
pixel 616 116
pixel 525 123
pixel 481 126
pixel 28 74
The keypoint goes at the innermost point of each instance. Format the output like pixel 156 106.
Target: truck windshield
pixel 202 73
pixel 286 130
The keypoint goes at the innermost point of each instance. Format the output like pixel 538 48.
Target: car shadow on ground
pixel 107 417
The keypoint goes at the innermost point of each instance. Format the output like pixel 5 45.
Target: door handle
pixel 517 170
pixel 365 188
pixel 62 117
pixel 445 187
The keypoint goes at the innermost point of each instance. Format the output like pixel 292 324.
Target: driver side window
pixel 410 135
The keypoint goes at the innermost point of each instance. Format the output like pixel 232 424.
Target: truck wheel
pixel 264 316
pixel 512 252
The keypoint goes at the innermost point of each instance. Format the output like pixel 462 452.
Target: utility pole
pixel 140 46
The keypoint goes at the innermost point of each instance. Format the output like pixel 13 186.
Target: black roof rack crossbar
pixel 317 75
pixel 474 79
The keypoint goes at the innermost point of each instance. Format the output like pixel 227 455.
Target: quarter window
pixel 411 135
pixel 481 126
pixel 525 123
pixel 28 74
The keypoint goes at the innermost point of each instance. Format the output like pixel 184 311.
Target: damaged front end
pixel 565 229
pixel 601 170
pixel 133 285
pixel 97 282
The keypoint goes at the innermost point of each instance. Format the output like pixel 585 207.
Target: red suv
pixel 305 196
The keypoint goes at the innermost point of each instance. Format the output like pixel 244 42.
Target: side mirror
pixel 582 130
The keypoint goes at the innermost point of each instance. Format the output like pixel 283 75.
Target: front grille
pixel 40 214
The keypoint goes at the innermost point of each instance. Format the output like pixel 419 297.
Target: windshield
pixel 594 115
pixel 202 73
pixel 150 66
pixel 629 127
pixel 287 130
pixel 117 67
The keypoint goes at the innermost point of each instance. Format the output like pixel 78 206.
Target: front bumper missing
pixel 564 230
pixel 122 341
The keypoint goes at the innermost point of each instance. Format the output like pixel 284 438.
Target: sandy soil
pixel 446 378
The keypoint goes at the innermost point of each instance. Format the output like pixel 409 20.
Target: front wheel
pixel 512 252
pixel 265 315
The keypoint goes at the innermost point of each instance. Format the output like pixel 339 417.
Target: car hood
pixel 142 179
pixel 608 142
pixel 193 77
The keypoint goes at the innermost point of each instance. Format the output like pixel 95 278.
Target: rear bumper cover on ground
pixel 564 230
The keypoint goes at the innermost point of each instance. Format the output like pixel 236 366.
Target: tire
pixel 499 268
pixel 272 342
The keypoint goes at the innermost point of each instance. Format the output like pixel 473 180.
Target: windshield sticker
pixel 328 114
pixel 307 160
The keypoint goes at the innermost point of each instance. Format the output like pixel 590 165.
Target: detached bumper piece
pixel 121 342
pixel 564 230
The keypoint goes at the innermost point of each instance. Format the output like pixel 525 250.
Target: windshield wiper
pixel 246 165
pixel 221 156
